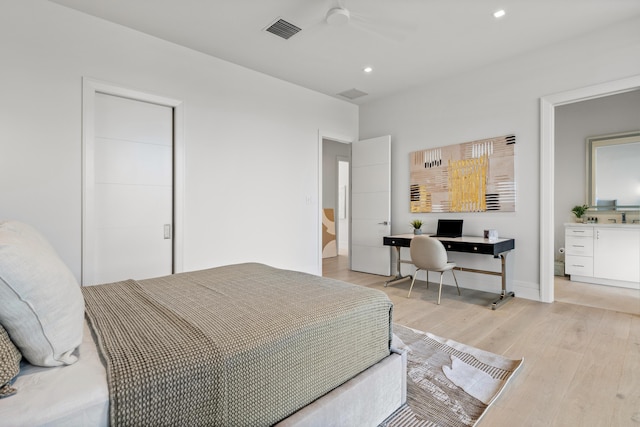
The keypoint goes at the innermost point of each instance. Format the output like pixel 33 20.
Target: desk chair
pixel 429 254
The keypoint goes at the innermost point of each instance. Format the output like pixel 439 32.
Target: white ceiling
pixel 407 42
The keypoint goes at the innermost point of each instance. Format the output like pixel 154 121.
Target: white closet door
pixel 371 205
pixel 133 190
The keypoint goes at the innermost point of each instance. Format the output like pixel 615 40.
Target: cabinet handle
pixel 578 246
pixel 577 265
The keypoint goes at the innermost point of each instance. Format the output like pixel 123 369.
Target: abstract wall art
pixel 329 244
pixel 476 176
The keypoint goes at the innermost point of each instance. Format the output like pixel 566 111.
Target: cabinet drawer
pixel 578 265
pixel 578 245
pixel 479 248
pixel 578 231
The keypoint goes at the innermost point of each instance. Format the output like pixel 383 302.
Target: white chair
pixel 429 254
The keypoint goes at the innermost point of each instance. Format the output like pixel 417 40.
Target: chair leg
pixel 413 281
pixel 440 290
pixel 454 278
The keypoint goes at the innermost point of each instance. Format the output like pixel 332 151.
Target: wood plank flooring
pixel 582 353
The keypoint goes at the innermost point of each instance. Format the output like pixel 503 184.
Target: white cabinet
pixel 603 254
pixel 616 254
pixel 578 243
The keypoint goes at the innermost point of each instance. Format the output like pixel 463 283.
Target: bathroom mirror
pixel 613 171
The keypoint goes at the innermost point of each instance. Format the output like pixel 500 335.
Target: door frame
pixel 547 167
pixel 90 87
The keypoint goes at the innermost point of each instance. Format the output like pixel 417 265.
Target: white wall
pixel 496 100
pixel 251 140
pixel 574 123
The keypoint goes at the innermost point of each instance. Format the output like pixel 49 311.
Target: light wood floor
pixel 582 360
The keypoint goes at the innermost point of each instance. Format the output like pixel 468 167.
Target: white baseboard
pixel 607 282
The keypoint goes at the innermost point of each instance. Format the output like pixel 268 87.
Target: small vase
pixel 579 219
pixel 417 231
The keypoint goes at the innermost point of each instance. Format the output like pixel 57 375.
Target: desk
pixel 499 248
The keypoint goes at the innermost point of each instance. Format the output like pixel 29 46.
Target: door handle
pixel 383 223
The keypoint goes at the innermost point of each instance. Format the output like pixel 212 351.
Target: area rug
pixel 448 384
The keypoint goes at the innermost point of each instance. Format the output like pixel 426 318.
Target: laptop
pixel 449 228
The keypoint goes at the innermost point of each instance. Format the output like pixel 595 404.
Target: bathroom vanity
pixel 605 254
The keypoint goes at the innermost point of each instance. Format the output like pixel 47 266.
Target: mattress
pixel 70 396
pixel 325 332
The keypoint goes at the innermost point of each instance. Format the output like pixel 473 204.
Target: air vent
pixel 282 28
pixel 352 94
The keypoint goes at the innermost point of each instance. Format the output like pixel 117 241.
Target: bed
pixel 244 344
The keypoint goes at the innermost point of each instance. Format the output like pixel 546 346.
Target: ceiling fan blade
pixel 313 29
pixel 386 28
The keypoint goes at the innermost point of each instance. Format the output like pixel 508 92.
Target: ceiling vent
pixel 352 94
pixel 282 28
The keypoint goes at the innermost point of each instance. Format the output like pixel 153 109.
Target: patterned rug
pixel 448 383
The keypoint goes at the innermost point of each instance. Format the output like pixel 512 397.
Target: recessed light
pixel 499 13
pixel 367 69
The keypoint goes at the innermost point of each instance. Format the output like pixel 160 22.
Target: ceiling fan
pixel 339 15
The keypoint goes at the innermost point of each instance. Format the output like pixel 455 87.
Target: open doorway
pixel 574 123
pixel 548 106
pixel 335 203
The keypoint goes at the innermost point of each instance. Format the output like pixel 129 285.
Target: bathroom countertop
pixel 603 224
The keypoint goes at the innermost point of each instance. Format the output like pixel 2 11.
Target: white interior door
pixel 371 205
pixel 343 206
pixel 132 191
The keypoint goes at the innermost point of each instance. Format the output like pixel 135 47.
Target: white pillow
pixel 41 304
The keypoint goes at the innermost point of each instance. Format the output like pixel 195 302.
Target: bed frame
pixel 366 400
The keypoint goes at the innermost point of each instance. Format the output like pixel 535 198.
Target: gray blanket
pixel 241 345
